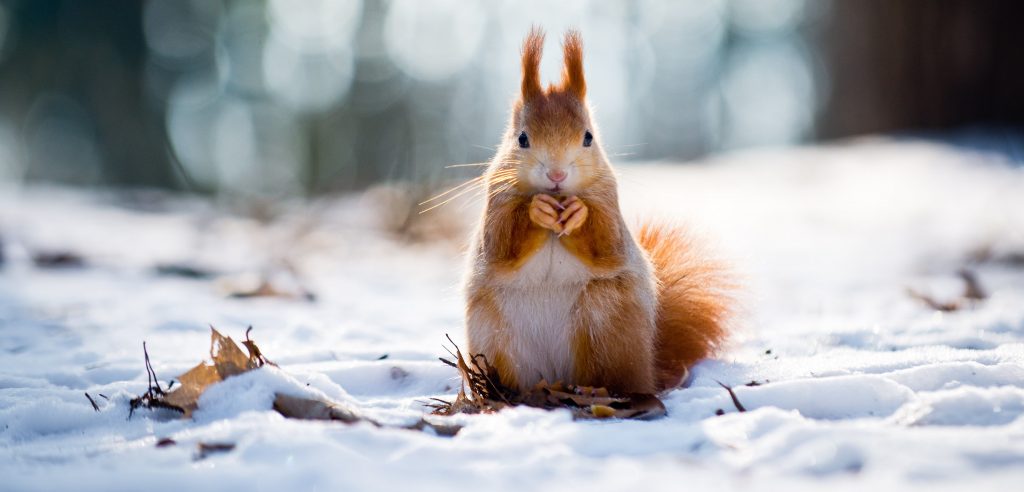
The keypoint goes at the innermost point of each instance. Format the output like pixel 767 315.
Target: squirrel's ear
pixel 533 46
pixel 572 73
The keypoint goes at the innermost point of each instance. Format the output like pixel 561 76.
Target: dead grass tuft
pixel 483 392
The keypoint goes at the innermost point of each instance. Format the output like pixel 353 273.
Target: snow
pixel 858 385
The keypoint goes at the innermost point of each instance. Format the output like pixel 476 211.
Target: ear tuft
pixel 533 47
pixel 572 73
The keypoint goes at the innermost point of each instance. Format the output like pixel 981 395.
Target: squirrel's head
pixel 551 139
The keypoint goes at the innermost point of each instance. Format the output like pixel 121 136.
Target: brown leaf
pixel 643 407
pixel 227 360
pixel 309 409
pixel 227 357
pixel 191 386
pixel 441 429
pixel 57 259
pixel 265 287
pixel 205 449
pixel 558 394
pixel 184 270
pixel 601 411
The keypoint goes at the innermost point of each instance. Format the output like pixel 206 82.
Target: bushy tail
pixel 694 301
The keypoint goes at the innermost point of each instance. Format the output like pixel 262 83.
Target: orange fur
pixel 600 245
pixel 513 237
pixel 572 71
pixel 693 301
pixel 482 311
pixel 608 349
pixel 533 48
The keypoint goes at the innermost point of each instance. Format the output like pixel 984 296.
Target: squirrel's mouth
pixel 555 189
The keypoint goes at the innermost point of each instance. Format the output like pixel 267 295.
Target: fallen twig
pixel 972 287
pixel 254 351
pixel 972 294
pixel 93 402
pixel 153 397
pixel 732 394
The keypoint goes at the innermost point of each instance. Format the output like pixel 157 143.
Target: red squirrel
pixel 558 287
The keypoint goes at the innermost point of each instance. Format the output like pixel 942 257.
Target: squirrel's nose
pixel 556 175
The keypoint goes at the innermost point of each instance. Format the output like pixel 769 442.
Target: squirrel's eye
pixel 588 139
pixel 524 141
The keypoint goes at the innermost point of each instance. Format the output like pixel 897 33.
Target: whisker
pixel 502 178
pixel 509 184
pixel 449 200
pixel 505 170
pixel 471 181
pixel 456 187
pixel 472 199
pixel 502 175
pixel 472 164
pixel 499 190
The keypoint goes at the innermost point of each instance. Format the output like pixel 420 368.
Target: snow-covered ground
pixel 860 385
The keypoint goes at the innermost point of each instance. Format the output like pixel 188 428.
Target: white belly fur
pixel 537 304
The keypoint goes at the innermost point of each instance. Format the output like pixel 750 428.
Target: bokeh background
pixel 281 98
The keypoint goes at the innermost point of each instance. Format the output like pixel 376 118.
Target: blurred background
pixel 279 98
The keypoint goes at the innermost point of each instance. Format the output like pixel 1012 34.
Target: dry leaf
pixel 57 259
pixel 283 286
pixel 226 360
pixel 191 386
pixel 184 270
pixel 227 357
pixel 309 409
pixel 205 449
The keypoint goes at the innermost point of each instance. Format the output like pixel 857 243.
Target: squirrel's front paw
pixel 542 212
pixel 574 214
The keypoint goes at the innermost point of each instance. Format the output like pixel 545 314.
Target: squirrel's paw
pixel 543 212
pixel 574 214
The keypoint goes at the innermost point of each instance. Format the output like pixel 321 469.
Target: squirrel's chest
pixel 537 305
pixel 551 264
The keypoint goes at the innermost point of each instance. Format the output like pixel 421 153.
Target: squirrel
pixel 558 288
